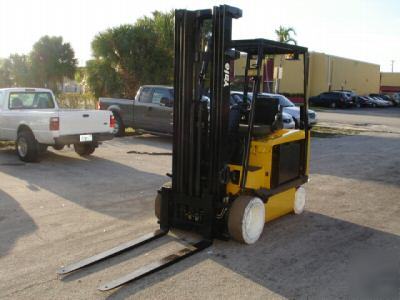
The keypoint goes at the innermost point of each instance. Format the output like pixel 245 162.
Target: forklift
pixel 234 167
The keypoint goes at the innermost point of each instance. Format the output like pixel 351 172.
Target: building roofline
pixel 341 57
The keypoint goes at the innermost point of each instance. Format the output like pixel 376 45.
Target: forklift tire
pixel 246 219
pixel 157 201
pixel 299 200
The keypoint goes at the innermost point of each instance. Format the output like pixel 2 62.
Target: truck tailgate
pixel 75 121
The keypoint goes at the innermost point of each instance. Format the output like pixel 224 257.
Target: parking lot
pixel 66 207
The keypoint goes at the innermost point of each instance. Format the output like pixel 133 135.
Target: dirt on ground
pixel 345 245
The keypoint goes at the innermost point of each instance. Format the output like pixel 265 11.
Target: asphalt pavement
pixel 345 245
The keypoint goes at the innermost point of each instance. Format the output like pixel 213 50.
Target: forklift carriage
pixel 234 167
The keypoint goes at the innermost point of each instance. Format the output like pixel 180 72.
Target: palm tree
pixel 284 34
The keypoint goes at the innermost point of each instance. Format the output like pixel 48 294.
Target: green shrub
pixel 71 100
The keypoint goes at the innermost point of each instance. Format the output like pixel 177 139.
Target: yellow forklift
pixel 234 167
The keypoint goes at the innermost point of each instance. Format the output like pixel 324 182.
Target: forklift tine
pixel 157 265
pixel 112 252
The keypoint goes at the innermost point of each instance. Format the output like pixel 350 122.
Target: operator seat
pixel 267 117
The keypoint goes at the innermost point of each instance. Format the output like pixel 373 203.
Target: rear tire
pixel 246 219
pixel 58 147
pixel 84 149
pixel 27 147
pixel 42 148
pixel 299 200
pixel 119 129
pixel 332 105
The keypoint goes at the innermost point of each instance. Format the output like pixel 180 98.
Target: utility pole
pixel 392 64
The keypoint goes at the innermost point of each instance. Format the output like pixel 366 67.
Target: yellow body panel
pixel 260 177
pixel 279 205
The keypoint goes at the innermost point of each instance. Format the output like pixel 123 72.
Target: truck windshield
pixel 31 100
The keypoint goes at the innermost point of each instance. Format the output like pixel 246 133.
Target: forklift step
pixel 112 252
pixel 157 265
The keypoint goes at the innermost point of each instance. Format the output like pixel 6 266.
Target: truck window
pixel 160 93
pixel 145 95
pixel 30 100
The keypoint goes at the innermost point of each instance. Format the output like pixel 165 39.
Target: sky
pixel 366 30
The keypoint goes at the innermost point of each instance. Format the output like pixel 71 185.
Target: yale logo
pixel 226 72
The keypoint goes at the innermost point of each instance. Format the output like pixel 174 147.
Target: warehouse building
pixel 390 82
pixel 326 73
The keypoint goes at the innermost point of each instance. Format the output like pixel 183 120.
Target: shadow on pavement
pixel 14 223
pixel 98 184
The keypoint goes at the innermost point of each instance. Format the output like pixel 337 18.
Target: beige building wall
pixel 390 79
pixel 325 72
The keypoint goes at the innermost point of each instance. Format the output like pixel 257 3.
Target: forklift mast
pixel 200 127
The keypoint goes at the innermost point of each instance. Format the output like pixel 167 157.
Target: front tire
pixel 246 219
pixel 27 147
pixel 84 149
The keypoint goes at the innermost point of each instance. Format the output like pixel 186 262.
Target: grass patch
pixel 330 132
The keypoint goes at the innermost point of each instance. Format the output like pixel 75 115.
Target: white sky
pixel 367 30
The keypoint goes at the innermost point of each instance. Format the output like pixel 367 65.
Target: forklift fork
pixel 157 265
pixel 112 252
pixel 148 269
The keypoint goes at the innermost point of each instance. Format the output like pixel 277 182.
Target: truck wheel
pixel 84 149
pixel 119 127
pixel 58 147
pixel 157 201
pixel 42 148
pixel 27 147
pixel 299 200
pixel 246 219
pixel 333 105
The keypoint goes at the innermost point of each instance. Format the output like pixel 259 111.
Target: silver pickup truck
pixel 151 110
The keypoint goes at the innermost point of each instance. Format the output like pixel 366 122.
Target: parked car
pixel 151 110
pixel 381 102
pixel 31 117
pixel 396 97
pixel 384 97
pixel 332 100
pixel 365 101
pixel 289 107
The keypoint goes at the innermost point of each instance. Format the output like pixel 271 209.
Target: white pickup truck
pixel 32 118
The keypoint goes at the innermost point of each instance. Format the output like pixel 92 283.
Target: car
pixel 384 97
pixel 396 97
pixel 288 106
pixel 32 118
pixel 351 94
pixel 332 100
pixel 382 103
pixel 365 101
